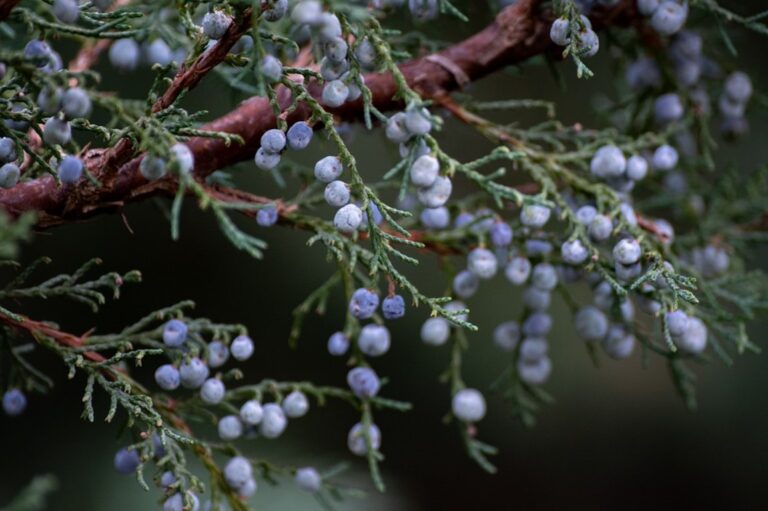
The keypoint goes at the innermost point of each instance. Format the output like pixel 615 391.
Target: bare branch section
pixel 6 6
pixel 519 32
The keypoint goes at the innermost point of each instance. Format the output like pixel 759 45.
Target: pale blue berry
pixel 465 284
pixel 364 382
pixel 335 93
pixel 308 479
pixel 544 276
pixel 152 167
pixel 124 54
pixel 9 175
pixel 393 307
pixel 158 52
pixel 637 167
pixel 534 372
pixel 363 303
pixel 591 324
pixel 167 479
pixel 215 24
pixel 271 69
pixel 299 135
pixel 308 12
pixel 559 32
pixel 7 150
pixel 273 141
pixel 167 377
pixel 574 252
pixel 665 158
pixel 126 461
pixel 218 354
pixel 536 299
pixel 738 87
pixel 360 437
pixel 328 169
pixel 468 405
pixel 589 43
pixel 619 343
pixel 424 10
pixel 49 100
pixel 608 162
pixel 273 421
pixel 295 404
pixel 275 11
pixel 668 108
pixel 501 234
pixel 365 53
pixel 600 228
pixel 176 502
pixel 418 121
pixel 237 472
pixel 647 7
pixel 335 49
pixel 212 392
pixel 175 333
pixel 694 339
pixel 435 331
pixel 70 170
pixel 669 17
pixel 193 373
pixel 267 216
pixel 266 160
pixel 251 413
pixel 518 270
pixel 373 340
pixel 66 11
pixel 348 218
pixel 506 335
pixel 14 402
pixel 338 344
pixel 230 427
pixel 424 170
pixel 677 322
pixel 396 131
pixel 534 215
pixel 482 262
pixel 537 324
pixel 627 251
pixel 435 218
pixel 242 348
pixel 57 131
pixel 182 158
pixel 75 103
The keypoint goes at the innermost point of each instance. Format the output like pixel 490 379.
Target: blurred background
pixel 617 435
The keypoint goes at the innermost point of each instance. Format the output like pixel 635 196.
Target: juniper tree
pixel 638 209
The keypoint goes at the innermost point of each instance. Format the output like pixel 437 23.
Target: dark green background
pixel 617 436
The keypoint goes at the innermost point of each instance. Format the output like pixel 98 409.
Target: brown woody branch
pixel 519 32
pixel 6 6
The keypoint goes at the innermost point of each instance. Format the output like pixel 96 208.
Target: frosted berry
pixel 7 150
pixel 212 391
pixel 647 7
pixel 393 307
pixel 348 218
pixel 152 167
pixel 218 354
pixel 465 284
pixel 167 377
pixel 424 10
pixel 627 251
pixel 534 372
pixel 75 103
pixel 251 413
pixel 669 17
pixel 215 24
pixel 230 427
pixel 66 11
pixel 57 131
pixel 668 108
pixel 175 333
pixel 534 215
pixel 124 54
pixel 299 135
pixel 335 49
pixel 437 194
pixel 501 235
pixel 591 324
pixel 328 169
pixel 176 502
pixel 468 405
pixel 435 331
pixel 167 479
pixel 266 160
pixel 183 158
pixel 363 303
pixel 373 340
pixel 273 141
pixel 271 69
pixel 273 421
pixel 506 335
pixel 295 404
pixel 537 324
pixel 70 170
pixel 267 216
pixel 241 347
pixel 158 52
pixel 14 402
pixel 544 276
pixel 364 382
pixel 360 437
pixel 574 252
pixel 424 170
pixel 418 121
pixel 435 218
pixel 238 471
pixel 482 262
pixel 738 87
pixel 335 93
pixel 677 323
pixel 608 162
pixel 338 344
pixel 276 10
pixel 536 299
pixel 559 32
pixel 637 167
pixel 600 228
pixel 308 479
pixel 618 344
pixel 396 130
pixel 193 373
pixel 126 461
pixel 9 175
pixel 518 270
pixel 694 339
pixel 665 158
